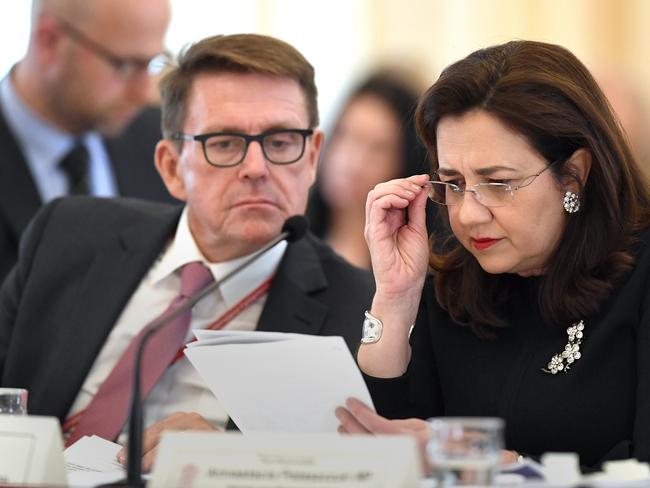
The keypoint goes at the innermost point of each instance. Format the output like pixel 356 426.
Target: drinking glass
pixel 465 451
pixel 13 401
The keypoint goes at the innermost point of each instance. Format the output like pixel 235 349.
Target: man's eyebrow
pixel 238 129
pixel 489 170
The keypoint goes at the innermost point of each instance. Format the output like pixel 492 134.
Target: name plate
pixel 198 459
pixel 32 451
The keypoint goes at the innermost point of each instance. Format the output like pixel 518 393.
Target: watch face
pixel 371 330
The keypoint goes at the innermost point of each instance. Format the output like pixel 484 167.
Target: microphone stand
pixel 293 229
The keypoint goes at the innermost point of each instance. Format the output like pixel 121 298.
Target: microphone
pixel 294 228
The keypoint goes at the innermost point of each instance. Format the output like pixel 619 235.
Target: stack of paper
pixel 278 382
pixel 91 461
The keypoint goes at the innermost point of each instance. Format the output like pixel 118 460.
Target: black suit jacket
pixel 131 155
pixel 82 259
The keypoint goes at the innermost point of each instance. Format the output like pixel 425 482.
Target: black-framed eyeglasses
pixel 490 194
pixel 226 149
pixel 125 67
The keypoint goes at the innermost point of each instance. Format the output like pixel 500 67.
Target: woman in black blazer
pixel 537 308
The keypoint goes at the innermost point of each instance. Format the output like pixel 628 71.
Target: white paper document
pixel 276 382
pixel 91 461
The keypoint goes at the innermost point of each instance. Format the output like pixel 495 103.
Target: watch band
pixel 373 327
pixel 371 330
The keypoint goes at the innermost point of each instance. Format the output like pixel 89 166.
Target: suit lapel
pixel 114 273
pixel 19 198
pixel 290 306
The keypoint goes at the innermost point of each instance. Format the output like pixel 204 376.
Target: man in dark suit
pixel 65 105
pixel 241 148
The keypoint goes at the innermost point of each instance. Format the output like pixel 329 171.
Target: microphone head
pixel 296 227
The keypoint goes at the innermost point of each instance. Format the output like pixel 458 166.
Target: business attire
pixel 82 264
pixel 598 407
pixel 30 173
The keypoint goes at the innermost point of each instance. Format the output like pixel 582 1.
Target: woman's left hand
pixel 357 418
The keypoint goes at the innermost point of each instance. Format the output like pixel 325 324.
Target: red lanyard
pixel 231 313
pixel 220 323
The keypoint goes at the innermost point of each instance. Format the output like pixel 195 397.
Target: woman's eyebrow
pixel 481 171
pixel 447 172
pixel 493 169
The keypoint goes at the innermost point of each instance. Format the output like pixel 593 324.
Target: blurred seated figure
pixel 65 105
pixel 372 141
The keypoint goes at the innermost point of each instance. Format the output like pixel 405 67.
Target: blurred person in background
pixel 64 108
pixel 373 140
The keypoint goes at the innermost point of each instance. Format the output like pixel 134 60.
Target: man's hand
pixel 151 438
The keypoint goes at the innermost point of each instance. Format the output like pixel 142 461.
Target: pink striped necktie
pixel 106 414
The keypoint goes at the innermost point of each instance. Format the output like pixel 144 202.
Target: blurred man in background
pixel 64 108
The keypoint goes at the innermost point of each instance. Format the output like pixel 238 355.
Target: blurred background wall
pixel 345 38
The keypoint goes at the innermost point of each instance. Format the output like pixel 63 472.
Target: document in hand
pixel 91 461
pixel 278 382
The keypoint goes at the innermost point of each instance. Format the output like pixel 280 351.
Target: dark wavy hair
pixel 402 100
pixel 545 93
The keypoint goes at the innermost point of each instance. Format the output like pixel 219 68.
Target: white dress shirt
pixel 44 145
pixel 181 389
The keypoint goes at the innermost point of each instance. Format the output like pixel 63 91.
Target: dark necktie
pixel 106 414
pixel 75 166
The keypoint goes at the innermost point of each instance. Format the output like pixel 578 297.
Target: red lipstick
pixel 483 243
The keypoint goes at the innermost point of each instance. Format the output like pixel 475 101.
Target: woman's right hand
pixel 399 251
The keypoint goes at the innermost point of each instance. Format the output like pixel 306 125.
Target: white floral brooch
pixel 562 361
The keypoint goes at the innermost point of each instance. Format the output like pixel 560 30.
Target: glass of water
pixel 465 451
pixel 13 401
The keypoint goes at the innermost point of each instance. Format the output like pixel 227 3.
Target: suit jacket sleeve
pixel 13 286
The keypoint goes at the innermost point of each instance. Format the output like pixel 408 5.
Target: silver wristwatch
pixel 371 331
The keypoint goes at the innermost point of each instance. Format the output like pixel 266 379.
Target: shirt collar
pixel 43 141
pixel 184 249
